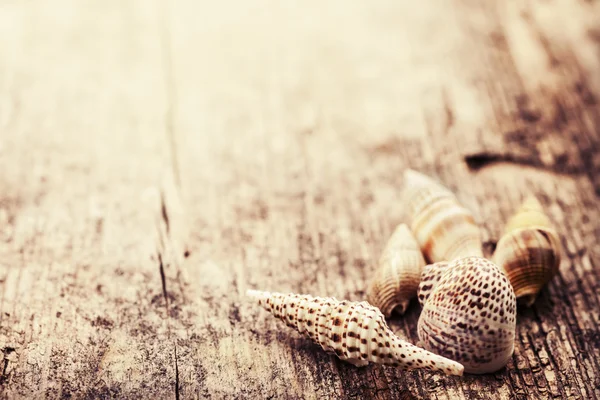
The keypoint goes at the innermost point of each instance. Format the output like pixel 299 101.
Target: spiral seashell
pixel 529 252
pixel 397 279
pixel 355 332
pixel 444 229
pixel 470 315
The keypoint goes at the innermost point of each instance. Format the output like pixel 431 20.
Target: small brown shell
pixel 444 229
pixel 397 279
pixel 355 332
pixel 529 252
pixel 470 315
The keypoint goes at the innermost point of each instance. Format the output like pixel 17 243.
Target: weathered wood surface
pixel 160 158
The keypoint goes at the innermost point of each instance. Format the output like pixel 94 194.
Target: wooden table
pixel 160 158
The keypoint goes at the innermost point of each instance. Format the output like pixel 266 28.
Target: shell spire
pixel 444 229
pixel 469 315
pixel 530 214
pixel 529 252
pixel 355 332
pixel 397 278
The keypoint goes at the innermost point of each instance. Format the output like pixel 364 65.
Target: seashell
pixel 529 251
pixel 444 229
pixel 397 279
pixel 355 332
pixel 469 315
pixel 429 279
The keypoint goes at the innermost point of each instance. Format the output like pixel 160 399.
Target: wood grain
pixel 159 158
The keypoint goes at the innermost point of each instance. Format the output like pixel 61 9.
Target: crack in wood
pixel 171 99
pixel 163 211
pixel 163 240
pixel 4 376
pixel 163 280
pixel 176 373
pixel 479 160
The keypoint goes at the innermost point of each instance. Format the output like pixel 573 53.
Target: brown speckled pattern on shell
pixel 470 316
pixel 397 278
pixel 355 332
pixel 429 279
pixel 444 229
pixel 529 252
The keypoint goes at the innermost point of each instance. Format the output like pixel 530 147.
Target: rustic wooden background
pixel 159 158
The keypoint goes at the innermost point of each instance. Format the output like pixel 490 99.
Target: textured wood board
pixel 160 158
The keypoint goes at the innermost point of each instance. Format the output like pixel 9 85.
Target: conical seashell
pixel 397 279
pixel 444 229
pixel 529 251
pixel 355 332
pixel 470 316
pixel 429 279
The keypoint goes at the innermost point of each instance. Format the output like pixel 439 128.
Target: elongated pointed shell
pixel 397 278
pixel 444 229
pixel 355 332
pixel 529 252
pixel 470 316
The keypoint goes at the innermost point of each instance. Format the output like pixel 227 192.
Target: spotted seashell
pixel 444 229
pixel 529 251
pixel 397 279
pixel 470 316
pixel 355 332
pixel 429 279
